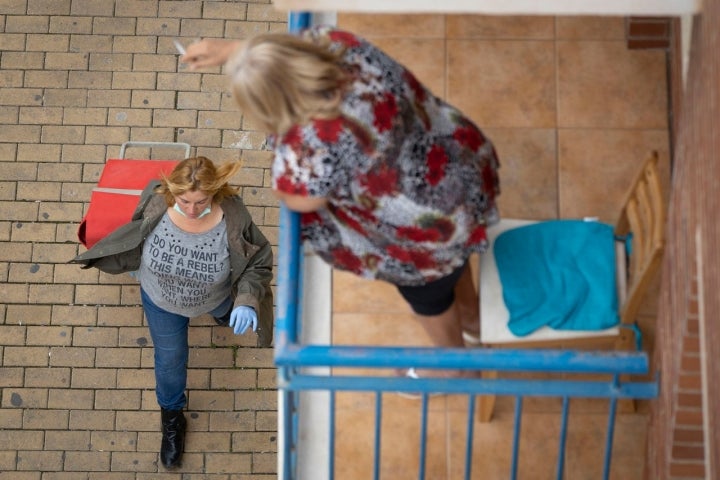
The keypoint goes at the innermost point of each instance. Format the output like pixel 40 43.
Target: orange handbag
pixel 113 201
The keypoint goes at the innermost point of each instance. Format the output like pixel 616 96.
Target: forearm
pixel 260 266
pixel 254 282
pixel 298 203
pixel 210 52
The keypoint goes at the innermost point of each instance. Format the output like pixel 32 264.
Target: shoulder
pixel 155 205
pixel 235 210
pixel 320 33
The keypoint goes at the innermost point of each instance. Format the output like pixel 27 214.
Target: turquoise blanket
pixel 560 274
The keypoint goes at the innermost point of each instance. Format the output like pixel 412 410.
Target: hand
pixel 210 52
pixel 241 318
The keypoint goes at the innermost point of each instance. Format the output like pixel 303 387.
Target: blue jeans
pixel 169 333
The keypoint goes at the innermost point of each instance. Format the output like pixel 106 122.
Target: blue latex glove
pixel 241 318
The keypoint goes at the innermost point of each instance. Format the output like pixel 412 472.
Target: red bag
pixel 113 201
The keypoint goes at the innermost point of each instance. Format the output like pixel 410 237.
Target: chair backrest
pixel 642 216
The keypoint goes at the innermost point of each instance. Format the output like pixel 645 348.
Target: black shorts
pixel 435 297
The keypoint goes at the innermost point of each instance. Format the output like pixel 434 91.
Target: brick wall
pixel 78 78
pixel 684 439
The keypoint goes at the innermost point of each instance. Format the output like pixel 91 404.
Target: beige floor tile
pixel 597 166
pixel 401 429
pixel 500 26
pixel 400 25
pixel 398 329
pixel 528 172
pixel 602 84
pixel 352 294
pixel 354 443
pixel 366 400
pixel 503 83
pixel 586 446
pixel 590 28
pixel 492 446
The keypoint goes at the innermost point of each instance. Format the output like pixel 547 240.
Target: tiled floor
pixel 372 313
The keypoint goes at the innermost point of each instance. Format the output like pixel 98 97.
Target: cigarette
pixel 179 47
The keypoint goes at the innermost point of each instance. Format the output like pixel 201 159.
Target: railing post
pixel 288 301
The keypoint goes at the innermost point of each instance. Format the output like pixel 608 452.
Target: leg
pixel 435 306
pixel 438 309
pixel 169 333
pixel 444 329
pixel 466 299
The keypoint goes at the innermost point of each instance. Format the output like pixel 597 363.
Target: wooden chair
pixel 642 216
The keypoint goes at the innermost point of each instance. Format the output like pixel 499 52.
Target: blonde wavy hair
pixel 280 80
pixel 198 174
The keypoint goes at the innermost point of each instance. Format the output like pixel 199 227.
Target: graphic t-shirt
pixel 186 273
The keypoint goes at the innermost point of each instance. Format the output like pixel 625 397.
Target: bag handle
pixel 183 145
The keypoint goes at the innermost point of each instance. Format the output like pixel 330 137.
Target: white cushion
pixel 494 315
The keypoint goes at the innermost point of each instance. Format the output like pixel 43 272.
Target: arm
pixel 251 257
pixel 301 204
pixel 209 52
pixel 251 279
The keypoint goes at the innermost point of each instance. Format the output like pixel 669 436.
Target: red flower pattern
pixel 346 38
pixel 382 181
pixel 445 227
pixel 469 136
pixel 385 111
pixel 416 87
pixel 419 258
pixel 344 217
pixel 328 130
pixel 344 258
pixel 477 236
pixel 418 234
pixel 310 218
pixel 285 184
pixel 293 137
pixel 399 253
pixel 436 160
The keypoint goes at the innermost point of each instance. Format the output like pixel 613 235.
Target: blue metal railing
pixel 305 368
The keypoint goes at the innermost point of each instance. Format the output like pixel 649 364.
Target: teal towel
pixel 560 274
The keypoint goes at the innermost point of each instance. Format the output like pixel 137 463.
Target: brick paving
pixel 78 78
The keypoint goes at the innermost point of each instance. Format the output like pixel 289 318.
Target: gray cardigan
pixel 251 256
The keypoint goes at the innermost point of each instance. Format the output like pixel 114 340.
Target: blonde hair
pixel 198 174
pixel 280 80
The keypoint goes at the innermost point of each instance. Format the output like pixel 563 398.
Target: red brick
pixel 688 471
pixel 687 435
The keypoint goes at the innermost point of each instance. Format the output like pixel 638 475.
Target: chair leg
pixel 486 403
pixel 627 405
pixel 626 342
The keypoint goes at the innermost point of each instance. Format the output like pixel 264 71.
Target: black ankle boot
pixel 173 437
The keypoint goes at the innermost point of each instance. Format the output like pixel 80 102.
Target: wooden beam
pixel 499 7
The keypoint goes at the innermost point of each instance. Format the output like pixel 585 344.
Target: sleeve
pixel 253 288
pixel 251 257
pixel 338 39
pixel 254 283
